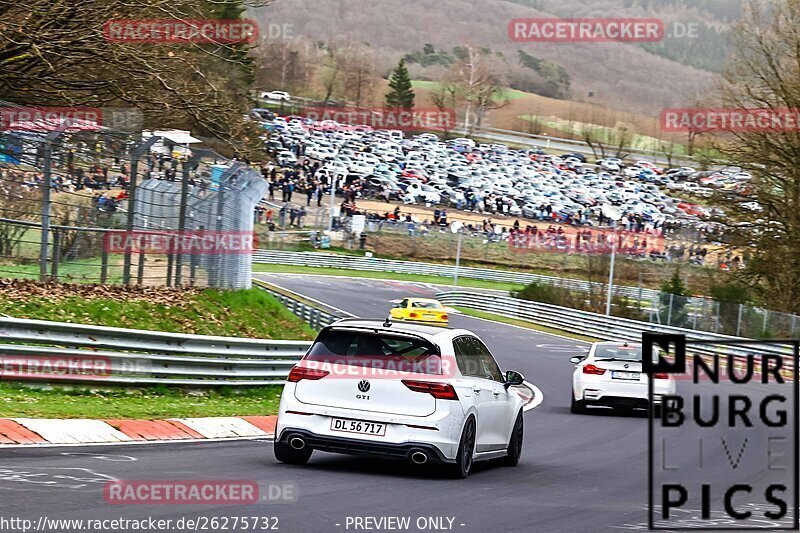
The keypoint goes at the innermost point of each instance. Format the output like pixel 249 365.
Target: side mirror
pixel 576 359
pixel 513 378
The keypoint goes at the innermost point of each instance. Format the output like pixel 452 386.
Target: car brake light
pixel 300 372
pixel 660 375
pixel 440 391
pixel 596 370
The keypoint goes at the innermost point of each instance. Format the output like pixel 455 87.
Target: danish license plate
pixel 358 426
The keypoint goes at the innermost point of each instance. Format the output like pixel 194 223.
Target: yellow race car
pixel 420 310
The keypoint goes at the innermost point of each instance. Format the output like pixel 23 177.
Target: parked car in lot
pixel 495 179
pixel 611 376
pixel 413 392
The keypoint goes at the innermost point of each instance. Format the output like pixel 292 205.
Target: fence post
pixel 140 270
pixel 639 299
pixel 45 245
pixel 136 153
pixel 170 261
pixel 669 311
pixel 54 258
pixel 739 321
pixel 104 265
pixel 185 169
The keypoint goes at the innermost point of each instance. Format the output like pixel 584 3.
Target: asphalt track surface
pixel 577 472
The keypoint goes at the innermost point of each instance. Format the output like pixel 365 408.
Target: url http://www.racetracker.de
pixel 46 524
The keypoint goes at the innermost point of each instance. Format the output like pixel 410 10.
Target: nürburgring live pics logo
pixel 725 445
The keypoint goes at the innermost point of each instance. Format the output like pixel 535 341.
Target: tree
pixel 444 99
pixel 673 300
pixel 730 297
pixel 764 73
pixel 478 83
pixel 56 54
pixel 401 94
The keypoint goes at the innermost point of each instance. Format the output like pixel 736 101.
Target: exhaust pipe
pixel 297 443
pixel 419 458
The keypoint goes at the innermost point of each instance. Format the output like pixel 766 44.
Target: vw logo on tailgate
pixel 363 385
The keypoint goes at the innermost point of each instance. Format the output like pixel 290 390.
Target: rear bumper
pixel 350 446
pixel 427 321
pixel 622 401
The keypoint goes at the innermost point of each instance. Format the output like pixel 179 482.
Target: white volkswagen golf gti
pixel 611 376
pixel 420 393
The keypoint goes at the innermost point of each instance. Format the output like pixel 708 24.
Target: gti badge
pixel 363 386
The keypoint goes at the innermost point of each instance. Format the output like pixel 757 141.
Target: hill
pixel 638 77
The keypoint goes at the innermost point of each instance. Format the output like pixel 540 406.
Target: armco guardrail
pixel 316 259
pixel 592 324
pixel 37 350
pixel 314 316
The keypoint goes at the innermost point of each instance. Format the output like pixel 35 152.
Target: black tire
pixel 286 454
pixel 514 449
pixel 466 448
pixel 577 407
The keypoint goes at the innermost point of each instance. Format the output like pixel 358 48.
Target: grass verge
pixel 246 313
pixel 437 280
pixel 137 403
pixel 523 323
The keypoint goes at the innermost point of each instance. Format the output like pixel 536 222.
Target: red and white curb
pixel 15 432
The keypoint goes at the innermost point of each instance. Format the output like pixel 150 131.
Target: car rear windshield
pixel 426 305
pixel 376 350
pixel 618 351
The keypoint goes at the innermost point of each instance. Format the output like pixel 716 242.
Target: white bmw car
pixel 611 376
pixel 414 392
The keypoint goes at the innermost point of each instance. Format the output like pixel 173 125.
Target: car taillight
pixel 300 372
pixel 440 391
pixel 412 315
pixel 596 370
pixel 660 375
pixel 444 316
